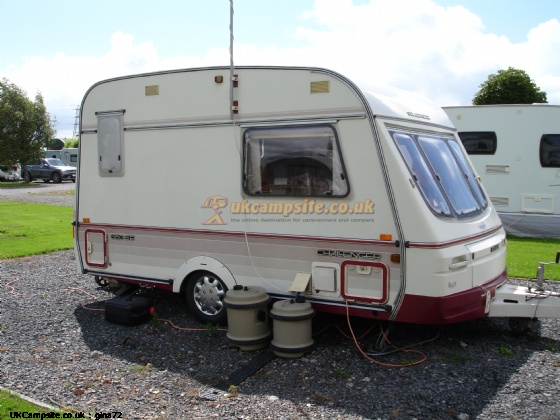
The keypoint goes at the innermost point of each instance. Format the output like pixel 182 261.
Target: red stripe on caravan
pixel 433 245
pixel 235 233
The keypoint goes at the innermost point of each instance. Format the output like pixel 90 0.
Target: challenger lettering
pixel 360 255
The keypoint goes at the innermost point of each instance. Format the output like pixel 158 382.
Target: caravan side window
pixel 110 134
pixel 479 142
pixel 549 150
pixel 293 161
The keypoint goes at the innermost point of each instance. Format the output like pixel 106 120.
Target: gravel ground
pixel 40 192
pixel 57 347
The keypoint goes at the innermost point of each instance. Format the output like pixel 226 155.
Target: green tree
pixel 25 126
pixel 56 144
pixel 71 143
pixel 511 86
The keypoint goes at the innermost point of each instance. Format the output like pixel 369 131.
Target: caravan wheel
pixel 205 295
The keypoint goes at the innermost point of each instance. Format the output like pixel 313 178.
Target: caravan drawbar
pixel 293 179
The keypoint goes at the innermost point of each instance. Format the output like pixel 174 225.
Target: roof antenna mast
pixel 232 77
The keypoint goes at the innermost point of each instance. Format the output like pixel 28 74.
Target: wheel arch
pixel 202 263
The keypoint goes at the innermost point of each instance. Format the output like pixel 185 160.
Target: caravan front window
pixel 293 161
pixel 442 173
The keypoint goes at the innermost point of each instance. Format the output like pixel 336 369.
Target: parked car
pixel 50 169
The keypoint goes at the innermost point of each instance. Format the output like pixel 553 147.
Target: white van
pixel 293 179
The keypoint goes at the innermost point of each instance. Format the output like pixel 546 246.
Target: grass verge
pixel 17 184
pixel 525 254
pixel 32 229
pixel 11 404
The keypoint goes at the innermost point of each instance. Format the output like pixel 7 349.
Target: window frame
pixel 542 151
pixel 110 143
pixel 441 199
pixel 337 161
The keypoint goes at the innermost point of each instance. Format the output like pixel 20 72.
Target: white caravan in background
pixel 293 179
pixel 516 151
pixel 70 156
pixel 53 154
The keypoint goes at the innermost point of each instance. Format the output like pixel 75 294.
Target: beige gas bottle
pixel 247 314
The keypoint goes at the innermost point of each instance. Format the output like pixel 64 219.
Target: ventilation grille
pixel 497 169
pixel 322 86
pixel 500 201
pixel 152 90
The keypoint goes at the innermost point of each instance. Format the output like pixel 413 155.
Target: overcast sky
pixel 441 49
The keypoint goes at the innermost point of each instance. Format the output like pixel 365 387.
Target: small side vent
pixel 152 90
pixel 497 169
pixel 322 86
pixel 500 201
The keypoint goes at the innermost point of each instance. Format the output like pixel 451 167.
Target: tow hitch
pixel 524 305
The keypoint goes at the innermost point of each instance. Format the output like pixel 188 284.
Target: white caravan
pixel 516 151
pixel 54 154
pixel 70 156
pixel 293 179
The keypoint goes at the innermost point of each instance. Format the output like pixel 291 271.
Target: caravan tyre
pixel 205 295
